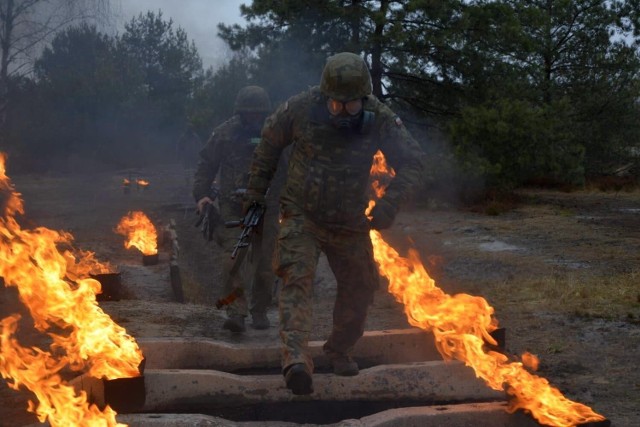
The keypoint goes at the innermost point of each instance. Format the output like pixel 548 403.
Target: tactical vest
pixel 234 166
pixel 328 174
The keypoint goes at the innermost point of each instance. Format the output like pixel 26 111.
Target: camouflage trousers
pixel 350 257
pixel 252 269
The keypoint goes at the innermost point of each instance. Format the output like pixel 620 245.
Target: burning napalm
pixel 462 324
pixel 139 232
pixel 54 286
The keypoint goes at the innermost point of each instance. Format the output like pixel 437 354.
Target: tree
pixel 213 100
pixel 170 64
pixel 26 25
pixel 109 101
pixel 80 82
pixel 563 58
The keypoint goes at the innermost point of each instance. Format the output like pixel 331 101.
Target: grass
pixel 582 294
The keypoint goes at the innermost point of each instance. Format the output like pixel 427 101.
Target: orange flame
pixel 140 232
pixel 84 338
pixel 82 264
pixel 126 182
pixel 142 182
pixel 380 176
pixel 461 325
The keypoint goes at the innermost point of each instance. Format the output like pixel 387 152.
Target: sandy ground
pixel 554 236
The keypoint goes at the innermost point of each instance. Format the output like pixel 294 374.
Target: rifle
pixel 209 217
pixel 251 220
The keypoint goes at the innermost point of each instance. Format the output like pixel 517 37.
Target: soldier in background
pixel 334 130
pixel 228 153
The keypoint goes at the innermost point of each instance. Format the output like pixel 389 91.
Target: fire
pixel 142 183
pixel 84 264
pixel 61 299
pixel 380 176
pixel 461 325
pixel 140 232
pixel 126 182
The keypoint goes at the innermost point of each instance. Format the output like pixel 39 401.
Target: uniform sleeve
pixel 404 155
pixel 208 165
pixel 276 135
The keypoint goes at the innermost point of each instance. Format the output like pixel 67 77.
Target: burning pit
pixel 141 234
pixel 54 286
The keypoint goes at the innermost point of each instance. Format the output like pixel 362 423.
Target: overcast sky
pixel 199 18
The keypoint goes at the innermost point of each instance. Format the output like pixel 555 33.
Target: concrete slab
pixel 462 415
pixel 191 390
pixel 374 348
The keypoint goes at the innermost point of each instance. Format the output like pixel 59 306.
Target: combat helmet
pixel 345 77
pixel 252 99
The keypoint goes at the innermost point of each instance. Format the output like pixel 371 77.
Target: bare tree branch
pixel 25 28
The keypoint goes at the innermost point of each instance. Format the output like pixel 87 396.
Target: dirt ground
pixel 561 270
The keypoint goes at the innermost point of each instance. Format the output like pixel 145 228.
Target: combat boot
pixel 344 365
pixel 235 323
pixel 298 379
pixel 260 321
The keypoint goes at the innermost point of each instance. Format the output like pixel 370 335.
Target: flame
pixel 81 264
pixel 126 182
pixel 461 325
pixel 84 338
pixel 140 232
pixel 142 182
pixel 380 176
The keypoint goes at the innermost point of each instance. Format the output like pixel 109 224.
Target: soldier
pixel 228 151
pixel 335 130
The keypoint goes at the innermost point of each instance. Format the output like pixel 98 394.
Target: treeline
pixel 499 93
pixel 96 100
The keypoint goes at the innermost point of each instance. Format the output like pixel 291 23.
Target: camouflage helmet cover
pixel 345 77
pixel 252 99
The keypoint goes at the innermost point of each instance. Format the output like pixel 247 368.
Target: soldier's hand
pixel 250 197
pixel 202 203
pixel 383 214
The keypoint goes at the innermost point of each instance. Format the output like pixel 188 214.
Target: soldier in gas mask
pixel 334 130
pixel 228 154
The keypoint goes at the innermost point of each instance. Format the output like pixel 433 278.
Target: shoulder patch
pixel 397 120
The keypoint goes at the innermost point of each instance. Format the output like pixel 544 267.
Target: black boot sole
pixel 299 381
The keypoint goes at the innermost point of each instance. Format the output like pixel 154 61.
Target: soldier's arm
pixel 404 155
pixel 276 135
pixel 208 165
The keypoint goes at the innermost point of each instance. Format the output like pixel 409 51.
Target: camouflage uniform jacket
pixel 228 151
pixel 328 173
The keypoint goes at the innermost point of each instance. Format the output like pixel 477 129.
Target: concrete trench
pixel 403 382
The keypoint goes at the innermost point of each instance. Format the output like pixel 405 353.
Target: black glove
pixel 383 214
pixel 251 197
pixel 209 219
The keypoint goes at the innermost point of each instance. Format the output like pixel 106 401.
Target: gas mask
pixel 345 115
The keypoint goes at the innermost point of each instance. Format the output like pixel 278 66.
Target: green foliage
pixel 78 83
pixel 171 66
pixel 510 142
pixel 103 100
